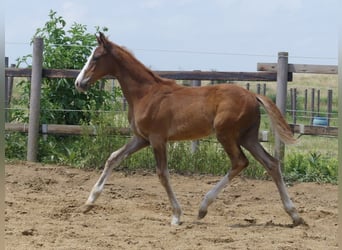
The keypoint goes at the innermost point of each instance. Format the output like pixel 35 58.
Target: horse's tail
pixel 280 126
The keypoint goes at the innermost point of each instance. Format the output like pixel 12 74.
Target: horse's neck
pixel 135 86
pixel 131 88
pixel 135 79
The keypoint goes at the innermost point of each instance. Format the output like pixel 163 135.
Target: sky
pixel 221 35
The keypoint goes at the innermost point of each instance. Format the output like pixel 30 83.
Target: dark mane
pixel 132 64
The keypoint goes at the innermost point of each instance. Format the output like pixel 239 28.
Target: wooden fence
pixel 267 72
pixel 312 105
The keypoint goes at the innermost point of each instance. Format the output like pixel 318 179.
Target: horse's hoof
pixel 299 221
pixel 87 207
pixel 175 221
pixel 202 214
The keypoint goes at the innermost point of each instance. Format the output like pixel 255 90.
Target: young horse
pixel 161 110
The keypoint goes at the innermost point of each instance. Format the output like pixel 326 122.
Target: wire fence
pixel 221 53
pixel 301 113
pixel 330 59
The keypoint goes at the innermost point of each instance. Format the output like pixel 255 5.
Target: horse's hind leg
pixel 239 162
pixel 273 168
pixel 114 160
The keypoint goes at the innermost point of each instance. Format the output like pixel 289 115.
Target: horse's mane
pixel 130 62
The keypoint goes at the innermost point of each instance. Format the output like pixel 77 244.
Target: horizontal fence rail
pixel 300 68
pixel 59 129
pixel 177 75
pixel 314 130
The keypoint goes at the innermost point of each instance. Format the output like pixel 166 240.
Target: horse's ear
pixel 98 39
pixel 102 40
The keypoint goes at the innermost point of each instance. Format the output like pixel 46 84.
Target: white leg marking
pixel 117 157
pixel 176 209
pixel 211 196
pixel 287 202
pixel 175 221
pixel 114 160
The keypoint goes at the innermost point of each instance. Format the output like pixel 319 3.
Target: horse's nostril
pixel 78 86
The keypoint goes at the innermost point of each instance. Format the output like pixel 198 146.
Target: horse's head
pixel 97 65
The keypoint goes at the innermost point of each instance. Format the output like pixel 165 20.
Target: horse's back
pixel 181 113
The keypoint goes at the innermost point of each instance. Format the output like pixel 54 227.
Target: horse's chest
pixel 141 124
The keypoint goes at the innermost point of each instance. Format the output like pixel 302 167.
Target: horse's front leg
pixel 114 160
pixel 163 174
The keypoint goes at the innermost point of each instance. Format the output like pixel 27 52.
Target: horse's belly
pixel 189 131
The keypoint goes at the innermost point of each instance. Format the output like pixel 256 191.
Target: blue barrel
pixel 320 121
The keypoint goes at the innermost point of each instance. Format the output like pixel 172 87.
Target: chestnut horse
pixel 161 110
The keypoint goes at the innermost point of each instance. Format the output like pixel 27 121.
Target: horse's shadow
pixel 252 223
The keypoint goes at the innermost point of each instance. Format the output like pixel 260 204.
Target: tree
pixel 65 49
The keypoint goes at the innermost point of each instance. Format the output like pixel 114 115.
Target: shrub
pixel 312 167
pixel 63 49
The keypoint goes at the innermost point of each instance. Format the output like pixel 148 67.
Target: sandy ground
pixel 43 212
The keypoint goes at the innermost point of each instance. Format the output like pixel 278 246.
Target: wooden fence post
pixel 293 96
pixel 305 101
pixel 10 86
pixel 258 88
pixel 6 93
pixel 36 79
pixel 318 102
pixel 329 109
pixel 195 144
pixel 312 105
pixel 282 76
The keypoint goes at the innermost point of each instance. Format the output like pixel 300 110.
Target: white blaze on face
pixel 80 76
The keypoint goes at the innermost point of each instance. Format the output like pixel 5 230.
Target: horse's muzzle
pixel 82 85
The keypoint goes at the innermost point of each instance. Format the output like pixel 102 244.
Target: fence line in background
pixel 281 72
pixel 313 107
pixel 60 129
